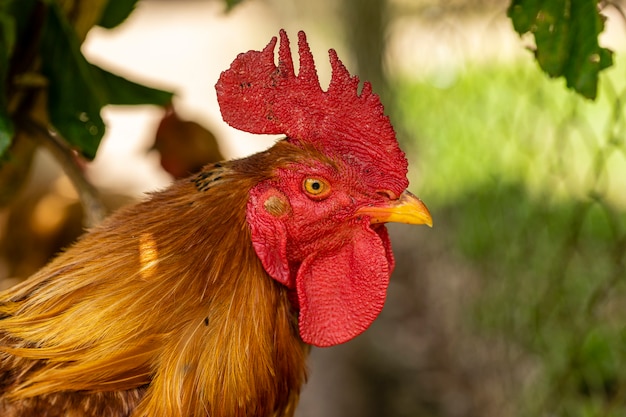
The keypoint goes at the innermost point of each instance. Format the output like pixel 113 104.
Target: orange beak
pixel 406 209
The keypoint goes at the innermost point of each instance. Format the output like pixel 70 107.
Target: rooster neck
pixel 163 310
pixel 245 357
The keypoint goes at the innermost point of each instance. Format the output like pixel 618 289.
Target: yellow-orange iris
pixel 316 188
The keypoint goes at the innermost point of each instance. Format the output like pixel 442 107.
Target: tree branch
pixel 90 199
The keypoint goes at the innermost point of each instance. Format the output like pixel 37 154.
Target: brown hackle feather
pixel 162 310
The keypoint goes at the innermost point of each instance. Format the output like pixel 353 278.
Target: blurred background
pixel 514 304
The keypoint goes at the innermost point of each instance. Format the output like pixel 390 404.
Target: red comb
pixel 257 96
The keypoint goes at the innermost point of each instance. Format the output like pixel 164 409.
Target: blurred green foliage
pixel 40 51
pixel 566 37
pixel 115 12
pixel 530 178
pixel 78 90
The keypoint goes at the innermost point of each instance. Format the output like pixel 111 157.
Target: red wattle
pixel 342 292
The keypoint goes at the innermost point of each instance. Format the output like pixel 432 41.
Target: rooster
pixel 204 299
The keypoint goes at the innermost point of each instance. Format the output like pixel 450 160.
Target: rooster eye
pixel 316 188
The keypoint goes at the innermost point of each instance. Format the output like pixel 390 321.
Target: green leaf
pixel 78 90
pixel 20 12
pixel 121 91
pixel 230 4
pixel 7 42
pixel 6 132
pixel 116 12
pixel 7 36
pixel 566 35
pixel 74 100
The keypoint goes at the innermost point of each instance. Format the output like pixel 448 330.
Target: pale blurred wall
pixel 183 45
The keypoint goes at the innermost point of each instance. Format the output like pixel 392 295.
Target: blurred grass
pixel 530 181
pixel 502 123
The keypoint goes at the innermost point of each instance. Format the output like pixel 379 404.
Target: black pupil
pixel 316 185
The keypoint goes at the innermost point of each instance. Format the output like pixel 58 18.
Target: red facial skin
pixel 336 262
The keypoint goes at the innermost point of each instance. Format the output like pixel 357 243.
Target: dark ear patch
pixel 277 205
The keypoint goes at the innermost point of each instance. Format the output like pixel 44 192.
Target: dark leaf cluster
pixel 566 37
pixel 36 36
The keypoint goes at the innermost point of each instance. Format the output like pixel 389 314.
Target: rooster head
pixel 317 221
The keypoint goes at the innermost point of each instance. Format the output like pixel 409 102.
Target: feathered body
pixel 120 338
pixel 203 300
